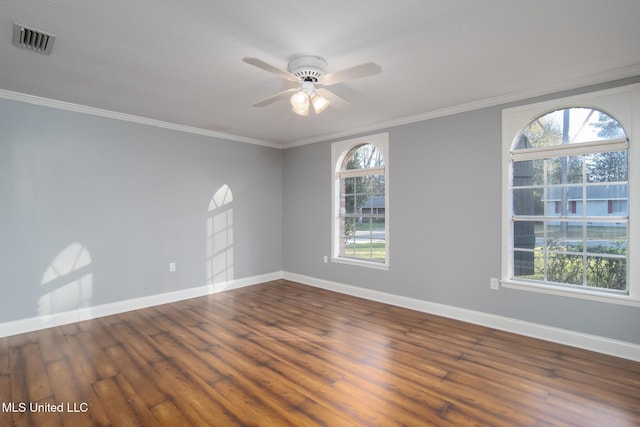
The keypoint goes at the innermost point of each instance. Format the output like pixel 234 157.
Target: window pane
pixel 367 240
pixel 349 204
pixel 569 126
pixel 565 170
pixel 618 207
pixel 564 201
pixel 349 185
pixel 525 234
pixel 565 236
pixel 524 265
pixel 363 218
pixel 606 126
pixel 362 157
pixel 608 273
pixel 601 198
pixel 564 268
pixel 543 132
pixel 348 232
pixel 376 184
pixel 528 201
pixel 530 172
pixel 361 200
pixel 607 167
pixel 607 238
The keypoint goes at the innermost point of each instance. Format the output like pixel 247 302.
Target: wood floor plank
pixel 18 383
pixel 130 337
pixel 187 352
pixel 4 356
pixel 297 372
pixel 43 417
pixel 285 354
pixel 36 379
pixel 250 362
pixel 136 402
pixel 189 397
pixel 103 366
pixel 284 396
pixel 50 342
pixel 165 383
pixel 6 416
pixel 84 375
pixel 114 400
pixel 101 332
pixel 65 391
pixel 140 377
pixel 169 415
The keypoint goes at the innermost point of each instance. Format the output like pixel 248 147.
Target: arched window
pixel 569 167
pixel 570 220
pixel 360 188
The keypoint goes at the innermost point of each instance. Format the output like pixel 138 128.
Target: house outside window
pixel 360 233
pixel 567 211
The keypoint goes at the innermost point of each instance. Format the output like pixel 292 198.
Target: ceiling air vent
pixel 31 39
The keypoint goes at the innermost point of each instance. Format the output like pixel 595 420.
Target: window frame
pixel 339 150
pixel 621 103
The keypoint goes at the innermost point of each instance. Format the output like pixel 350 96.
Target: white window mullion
pixel 554 151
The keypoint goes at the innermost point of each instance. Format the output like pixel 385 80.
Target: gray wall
pixel 445 225
pixel 134 197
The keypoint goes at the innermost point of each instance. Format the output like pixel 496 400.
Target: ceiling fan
pixel 309 72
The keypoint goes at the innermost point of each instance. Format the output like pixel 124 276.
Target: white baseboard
pixel 595 343
pixel 42 322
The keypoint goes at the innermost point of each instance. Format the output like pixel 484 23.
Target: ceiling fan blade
pixel 352 73
pixel 270 68
pixel 282 95
pixel 334 99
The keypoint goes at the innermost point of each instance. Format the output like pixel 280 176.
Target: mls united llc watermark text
pixel 44 407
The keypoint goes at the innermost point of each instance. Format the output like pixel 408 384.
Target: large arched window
pixel 570 194
pixel 360 231
pixel 568 207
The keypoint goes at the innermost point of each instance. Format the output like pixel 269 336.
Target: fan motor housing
pixel 308 67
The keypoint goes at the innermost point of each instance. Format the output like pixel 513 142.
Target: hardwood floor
pixel 281 353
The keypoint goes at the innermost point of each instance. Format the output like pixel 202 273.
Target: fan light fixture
pixel 319 103
pixel 309 71
pixel 307 92
pixel 300 103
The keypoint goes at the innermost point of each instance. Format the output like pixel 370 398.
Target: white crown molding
pixel 602 345
pixel 618 74
pixel 42 322
pixel 621 73
pixel 77 108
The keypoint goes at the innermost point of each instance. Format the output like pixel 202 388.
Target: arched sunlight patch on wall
pixel 67 284
pixel 220 237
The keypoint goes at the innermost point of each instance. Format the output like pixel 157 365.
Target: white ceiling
pixel 181 61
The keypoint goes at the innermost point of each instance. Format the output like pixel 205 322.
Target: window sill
pixel 571 293
pixel 360 263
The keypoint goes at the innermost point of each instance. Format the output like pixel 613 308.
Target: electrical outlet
pixel 326 259
pixel 495 284
pixel 172 267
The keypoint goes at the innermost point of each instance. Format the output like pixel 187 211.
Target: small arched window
pixel 360 201
pixel 569 186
